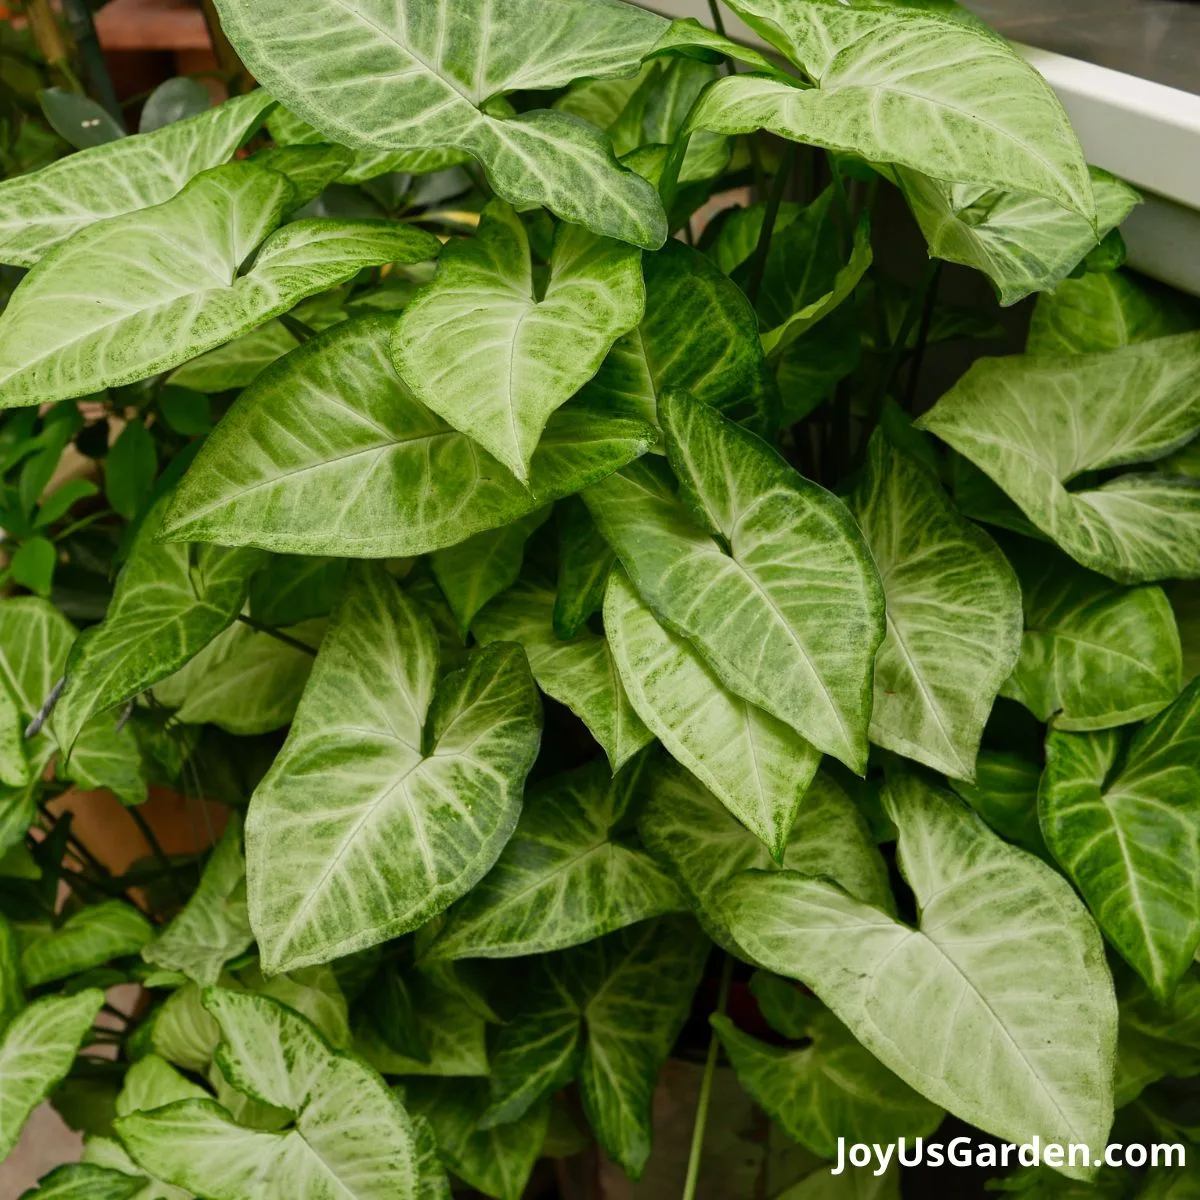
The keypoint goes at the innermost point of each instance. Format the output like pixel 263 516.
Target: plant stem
pixel 719 25
pixel 774 200
pixel 843 214
pixel 83 30
pixel 48 38
pixel 913 312
pixel 237 78
pixel 706 1082
pixel 278 634
pixel 158 852
pixel 914 370
pixel 301 332
pixel 84 522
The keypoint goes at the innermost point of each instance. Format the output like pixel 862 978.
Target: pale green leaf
pixel 1005 794
pixel 578 672
pixel 183 1032
pixel 494 356
pixel 567 876
pixel 393 794
pixel 351 1136
pixel 12 991
pixel 106 755
pixel 295 588
pixel 309 169
pixel 1035 424
pixel 1094 654
pixel 584 561
pixel 144 292
pixel 756 765
pixel 14 766
pixel 496 1161
pixel 420 75
pixel 108 1154
pixel 953 614
pixel 693 833
pixel 699 333
pixel 314 992
pixel 1022 243
pixel 329 453
pixel 789 617
pixel 93 935
pixel 902 86
pixel 477 570
pixel 85 1181
pixel 170 601
pixel 1122 816
pixel 1017 1027
pixel 214 925
pixel 152 1082
pixel 40 210
pixel 36 1052
pixel 832 1088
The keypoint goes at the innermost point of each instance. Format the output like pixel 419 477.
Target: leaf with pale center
pixel 170 601
pixel 106 1153
pixel 350 1136
pixel 94 935
pixel 1035 424
pixel 42 209
pixel 426 75
pixel 895 85
pixel 578 672
pixel 86 1181
pixel 329 453
pixel 394 794
pixel 953 614
pixel 36 1052
pixel 152 1082
pixel 756 765
pixel 1122 816
pixel 144 292
pixel 568 875
pixel 999 1006
pixel 493 355
pixel 790 615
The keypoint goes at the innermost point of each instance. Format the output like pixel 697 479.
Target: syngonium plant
pixel 629 623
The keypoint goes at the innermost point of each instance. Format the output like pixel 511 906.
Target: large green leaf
pixel 329 453
pixel 953 614
pixel 85 1181
pixel 106 1153
pixel 40 210
pixel 1035 424
pixel 609 1013
pixel 425 75
pixel 832 1088
pixel 1094 654
pixel 898 85
pixel 496 1161
pixel 214 925
pixel 1017 1019
pixel 36 1052
pixel 700 334
pixel 495 355
pixel 790 615
pixel 144 292
pixel 567 876
pixel 1022 243
pixel 170 601
pixel 350 1136
pixel 93 935
pixel 756 765
pixel 152 1082
pixel 578 672
pixel 1122 815
pixel 694 834
pixel 394 794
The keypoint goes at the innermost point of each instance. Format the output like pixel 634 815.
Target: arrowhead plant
pixel 486 474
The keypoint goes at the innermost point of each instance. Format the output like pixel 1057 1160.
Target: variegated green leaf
pixel 1094 654
pixel 94 935
pixel 394 794
pixel 694 835
pixel 309 169
pixel 14 766
pixel 953 614
pixel 152 1082
pixel 40 210
pixel 897 85
pixel 756 765
pixel 567 876
pixel 789 615
pixel 1122 816
pixel 36 1052
pixel 493 355
pixel 170 601
pixel 294 588
pixel 214 925
pixel 329 453
pixel 106 755
pixel 107 308
pixel 1035 424
pixel 350 1135
pixel 584 561
pixel 579 672
pixel 12 990
pixel 1018 1019
pixel 85 1181
pixel 106 1153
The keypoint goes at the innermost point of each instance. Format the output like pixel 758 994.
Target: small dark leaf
pixel 33 565
pixel 186 412
pixel 129 473
pixel 173 101
pixel 78 120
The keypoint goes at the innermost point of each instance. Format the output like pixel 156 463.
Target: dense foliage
pixel 576 622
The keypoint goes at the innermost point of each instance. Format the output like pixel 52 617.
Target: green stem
pixel 84 522
pixel 710 1069
pixel 914 370
pixel 843 214
pixel 774 200
pixel 83 30
pixel 158 852
pixel 718 21
pixel 301 332
pixel 277 634
pixel 911 316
